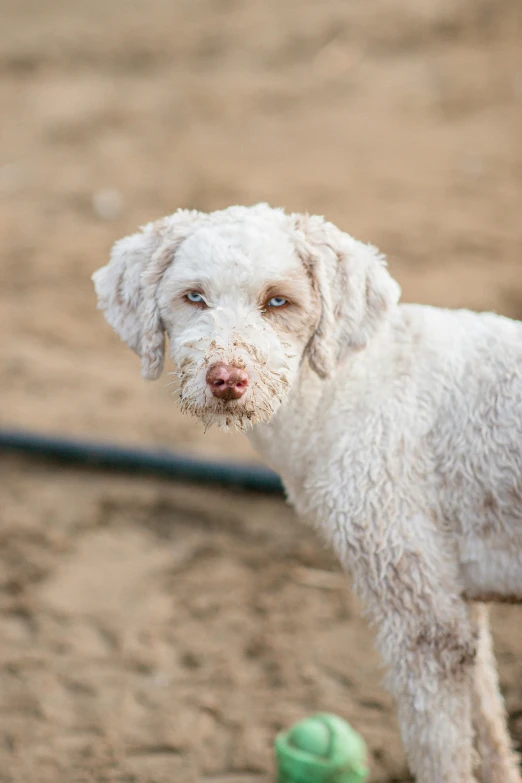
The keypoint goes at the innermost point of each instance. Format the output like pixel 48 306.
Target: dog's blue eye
pixel 277 301
pixel 194 297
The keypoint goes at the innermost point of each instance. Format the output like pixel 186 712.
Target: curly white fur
pixel 397 430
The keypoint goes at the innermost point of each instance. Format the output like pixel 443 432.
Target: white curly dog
pixel 397 431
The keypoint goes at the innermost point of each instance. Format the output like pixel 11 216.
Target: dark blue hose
pixel 160 462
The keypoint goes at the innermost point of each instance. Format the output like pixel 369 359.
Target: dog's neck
pixel 284 442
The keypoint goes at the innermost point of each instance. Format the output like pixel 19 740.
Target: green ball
pixel 321 749
pixel 311 736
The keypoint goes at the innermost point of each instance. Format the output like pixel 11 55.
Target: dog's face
pixel 245 296
pixel 239 309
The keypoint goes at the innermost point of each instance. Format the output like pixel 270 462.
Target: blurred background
pixel 152 631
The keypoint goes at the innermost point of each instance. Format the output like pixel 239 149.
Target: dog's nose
pixel 226 381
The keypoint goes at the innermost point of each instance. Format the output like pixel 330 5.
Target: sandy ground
pixel 153 632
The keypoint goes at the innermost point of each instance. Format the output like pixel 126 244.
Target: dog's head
pixel 245 295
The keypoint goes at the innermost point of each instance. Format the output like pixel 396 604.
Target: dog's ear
pixel 354 287
pixel 127 286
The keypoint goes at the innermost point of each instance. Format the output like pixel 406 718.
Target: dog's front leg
pixel 426 639
pixel 498 762
pixel 430 675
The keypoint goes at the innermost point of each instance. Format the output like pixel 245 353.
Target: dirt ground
pixel 160 633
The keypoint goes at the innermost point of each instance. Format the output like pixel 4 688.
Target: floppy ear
pixel 126 287
pixel 355 289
